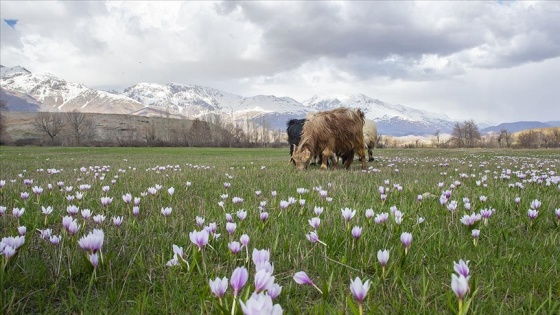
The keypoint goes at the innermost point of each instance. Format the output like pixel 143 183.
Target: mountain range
pixel 26 91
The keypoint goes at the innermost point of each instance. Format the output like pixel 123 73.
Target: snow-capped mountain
pixel 56 94
pixel 391 119
pixel 44 92
pixel 196 101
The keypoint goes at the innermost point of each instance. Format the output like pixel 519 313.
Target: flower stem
pixel 89 288
pixel 233 306
pixel 460 306
pixel 316 287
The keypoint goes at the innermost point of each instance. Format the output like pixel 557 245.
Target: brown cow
pixel 328 132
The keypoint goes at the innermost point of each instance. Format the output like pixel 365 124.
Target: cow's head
pixel 301 158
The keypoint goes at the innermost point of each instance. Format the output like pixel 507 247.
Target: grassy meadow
pixel 513 265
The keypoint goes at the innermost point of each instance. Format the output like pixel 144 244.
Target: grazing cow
pixel 329 132
pixel 294 129
pixel 370 136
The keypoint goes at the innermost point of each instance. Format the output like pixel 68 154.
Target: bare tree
pixel 264 134
pixel 436 138
pixel 81 127
pixel 529 139
pixel 127 136
pixel 150 134
pixel 50 123
pixel 472 134
pixel 458 135
pixel 555 135
pixel 505 138
pixel 465 134
pixel 239 137
pixel 181 134
pixel 200 133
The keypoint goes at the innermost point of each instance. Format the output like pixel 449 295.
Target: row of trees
pixel 77 128
pixel 81 128
pixel 209 131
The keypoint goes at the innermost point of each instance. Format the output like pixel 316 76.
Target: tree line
pixel 76 128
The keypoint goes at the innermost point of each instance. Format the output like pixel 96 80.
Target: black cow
pixel 294 129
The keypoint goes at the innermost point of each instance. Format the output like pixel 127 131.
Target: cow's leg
pixel 349 159
pixel 327 154
pixel 362 154
pixel 370 154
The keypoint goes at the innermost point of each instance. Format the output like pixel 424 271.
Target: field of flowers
pixel 233 231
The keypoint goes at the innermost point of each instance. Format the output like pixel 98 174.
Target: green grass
pixel 514 267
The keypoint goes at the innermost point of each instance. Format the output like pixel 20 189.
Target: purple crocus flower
pixel 66 222
pixel 314 222
pixel 219 286
pixel 241 214
pixel 118 221
pixel 99 218
pixel 94 259
pixel 37 190
pixel 383 257
pixel 462 268
pixel 302 278
pixel 459 285
pixel 260 303
pixel 312 237
pixel 230 227
pixel 359 290
pixel 72 210
pixel 238 279
pixel 18 212
pixel 406 239
pixel 381 217
pixel 73 227
pixel 55 239
pixel 536 204
pixel 46 211
pixel 274 290
pixel 318 210
pixel 93 241
pixel 260 256
pixel 235 247
pixel 284 204
pixel 348 214
pixel 263 280
pixel 86 214
pixel 263 216
pixel 199 238
pixel 166 211
pixel 127 198
pixel 105 201
pixel 244 239
pixel 356 232
pixel 532 214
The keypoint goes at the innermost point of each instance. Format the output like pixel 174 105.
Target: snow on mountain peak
pixel 195 101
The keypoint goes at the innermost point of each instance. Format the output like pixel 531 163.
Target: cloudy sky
pixel 489 61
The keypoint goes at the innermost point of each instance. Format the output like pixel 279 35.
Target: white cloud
pixel 483 60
